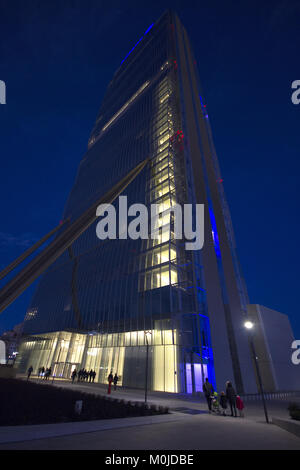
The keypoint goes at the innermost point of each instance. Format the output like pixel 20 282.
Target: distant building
pixel 273 337
pixel 11 339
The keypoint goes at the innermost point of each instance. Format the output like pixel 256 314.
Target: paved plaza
pixel 189 426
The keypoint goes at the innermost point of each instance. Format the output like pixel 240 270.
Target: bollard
pixel 78 407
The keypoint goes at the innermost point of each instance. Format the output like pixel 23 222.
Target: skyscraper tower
pixel 117 304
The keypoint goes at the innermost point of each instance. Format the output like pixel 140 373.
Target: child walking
pixel 240 406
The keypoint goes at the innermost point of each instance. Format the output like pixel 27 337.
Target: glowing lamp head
pixel 249 325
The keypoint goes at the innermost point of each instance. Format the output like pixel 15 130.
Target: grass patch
pixel 23 402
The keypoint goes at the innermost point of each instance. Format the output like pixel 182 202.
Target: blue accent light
pixel 195 287
pixel 204 316
pixel 215 233
pixel 148 29
pixel 137 42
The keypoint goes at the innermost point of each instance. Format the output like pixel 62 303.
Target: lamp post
pixel 147 360
pixel 249 325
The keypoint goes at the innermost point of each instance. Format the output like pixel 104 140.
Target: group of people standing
pixel 219 404
pixel 83 375
pixel 45 373
pixel 42 372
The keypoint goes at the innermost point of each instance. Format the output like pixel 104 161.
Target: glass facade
pixel 64 351
pixel 102 302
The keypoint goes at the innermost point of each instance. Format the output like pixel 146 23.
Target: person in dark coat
pixel 208 390
pixel 74 373
pixel 231 397
pixel 29 372
pixel 223 403
pixel 48 373
pixel 110 379
pixel 116 378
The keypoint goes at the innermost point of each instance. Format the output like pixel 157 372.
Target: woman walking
pixel 231 397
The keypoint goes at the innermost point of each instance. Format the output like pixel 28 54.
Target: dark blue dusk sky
pixel 57 57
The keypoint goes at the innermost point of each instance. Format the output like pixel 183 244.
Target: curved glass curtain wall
pixel 102 301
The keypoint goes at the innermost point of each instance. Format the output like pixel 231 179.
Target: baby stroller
pixel 215 404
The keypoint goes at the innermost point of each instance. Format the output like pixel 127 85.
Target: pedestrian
pixel 110 379
pixel 223 402
pixel 94 375
pixel 240 406
pixel 231 397
pixel 43 371
pixel 29 372
pixel 208 390
pixel 47 373
pixel 74 373
pixel 116 378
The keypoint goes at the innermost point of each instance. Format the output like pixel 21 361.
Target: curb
pixel 289 425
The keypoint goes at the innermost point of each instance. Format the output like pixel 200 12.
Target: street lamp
pixel 147 357
pixel 249 325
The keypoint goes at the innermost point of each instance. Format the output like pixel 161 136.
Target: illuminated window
pixel 164 98
pixel 163 129
pixel 165 203
pixel 163 188
pixel 164 139
pixel 161 149
pixel 163 219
